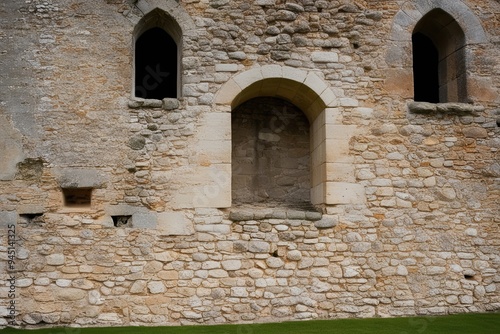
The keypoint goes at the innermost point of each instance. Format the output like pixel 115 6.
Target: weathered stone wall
pixel 406 194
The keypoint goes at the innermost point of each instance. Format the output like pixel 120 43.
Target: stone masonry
pixel 293 177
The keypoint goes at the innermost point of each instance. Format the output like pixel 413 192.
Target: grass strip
pixel 487 323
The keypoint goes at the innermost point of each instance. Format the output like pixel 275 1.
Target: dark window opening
pixel 122 221
pixel 77 197
pixel 425 69
pixel 155 65
pixel 439 61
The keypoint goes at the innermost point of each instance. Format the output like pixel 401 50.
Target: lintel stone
pixel 79 178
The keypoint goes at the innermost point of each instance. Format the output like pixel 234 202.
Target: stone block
pixel 30 209
pixel 399 81
pixel 271 71
pixel 340 172
pixel 318 194
pixel 340 132
pixel 213 152
pixel 174 223
pixel 315 83
pixel 214 127
pixel 294 74
pixel 204 187
pixel 247 78
pixel 144 220
pixel 55 259
pixel 8 218
pixel 326 222
pixel 226 67
pixel 79 178
pixel 324 57
pixel 228 92
pixel 344 193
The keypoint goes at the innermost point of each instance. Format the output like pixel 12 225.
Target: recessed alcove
pixel 77 197
pixel 271 154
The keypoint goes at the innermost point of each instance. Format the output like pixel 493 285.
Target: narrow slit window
pixel 425 69
pixel 156 65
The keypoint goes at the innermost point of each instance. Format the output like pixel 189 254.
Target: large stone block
pixel 175 223
pixel 204 187
pixel 79 177
pixel 344 193
pixel 340 172
pixel 8 218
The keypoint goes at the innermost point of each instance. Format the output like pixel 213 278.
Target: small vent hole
pixel 469 277
pixel 122 221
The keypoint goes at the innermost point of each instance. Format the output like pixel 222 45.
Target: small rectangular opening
pixel 32 218
pixel 77 197
pixel 122 221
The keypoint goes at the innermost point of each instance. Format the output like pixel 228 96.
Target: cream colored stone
pixel 344 193
pixel 174 223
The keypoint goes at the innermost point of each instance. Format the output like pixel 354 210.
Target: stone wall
pixel 404 194
pixel 270 156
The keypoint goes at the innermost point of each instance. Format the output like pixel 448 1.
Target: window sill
pixel 166 103
pixel 257 213
pixel 450 107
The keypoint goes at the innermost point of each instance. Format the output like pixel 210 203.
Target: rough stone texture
pixel 405 217
pixel 270 157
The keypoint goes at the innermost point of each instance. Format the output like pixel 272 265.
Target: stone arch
pixel 332 172
pixel 411 12
pixel 305 89
pixel 174 10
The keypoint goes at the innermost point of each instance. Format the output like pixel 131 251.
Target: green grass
pixel 488 323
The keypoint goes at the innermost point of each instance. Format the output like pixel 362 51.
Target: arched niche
pixel 332 173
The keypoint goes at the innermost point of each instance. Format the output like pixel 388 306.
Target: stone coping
pixel 451 107
pixel 256 213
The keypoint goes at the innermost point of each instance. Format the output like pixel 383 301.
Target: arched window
pixel 155 65
pixel 158 45
pixel 439 59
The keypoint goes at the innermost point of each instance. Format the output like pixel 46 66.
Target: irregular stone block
pixel 326 222
pixel 256 246
pixel 55 259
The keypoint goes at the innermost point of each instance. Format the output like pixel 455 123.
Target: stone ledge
pixel 166 103
pixel 451 107
pixel 244 214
